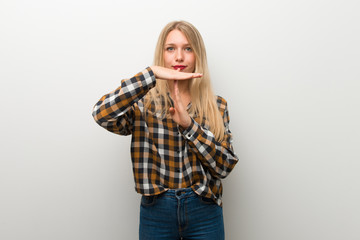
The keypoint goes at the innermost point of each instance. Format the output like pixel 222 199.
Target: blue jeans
pixel 180 214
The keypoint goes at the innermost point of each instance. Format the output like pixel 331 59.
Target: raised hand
pixel 170 74
pixel 179 113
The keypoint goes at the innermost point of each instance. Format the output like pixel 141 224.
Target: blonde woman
pixel 181 142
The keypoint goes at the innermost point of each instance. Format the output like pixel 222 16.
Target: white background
pixel 289 70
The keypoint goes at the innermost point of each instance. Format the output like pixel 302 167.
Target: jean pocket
pixel 148 200
pixel 207 201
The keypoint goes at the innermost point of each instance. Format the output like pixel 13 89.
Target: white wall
pixel 289 70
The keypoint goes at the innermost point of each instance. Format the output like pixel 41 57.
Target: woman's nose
pixel 179 55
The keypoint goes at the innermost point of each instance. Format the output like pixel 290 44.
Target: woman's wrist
pixel 186 124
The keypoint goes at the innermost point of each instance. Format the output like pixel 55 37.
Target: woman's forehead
pixel 176 37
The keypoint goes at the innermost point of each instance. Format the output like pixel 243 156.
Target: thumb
pixel 172 110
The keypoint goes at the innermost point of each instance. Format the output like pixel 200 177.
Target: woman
pixel 181 142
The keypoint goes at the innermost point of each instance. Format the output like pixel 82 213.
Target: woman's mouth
pixel 181 67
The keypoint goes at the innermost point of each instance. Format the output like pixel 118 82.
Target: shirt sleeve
pixel 218 158
pixel 115 110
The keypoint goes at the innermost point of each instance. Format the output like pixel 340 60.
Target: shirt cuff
pixel 149 77
pixel 191 132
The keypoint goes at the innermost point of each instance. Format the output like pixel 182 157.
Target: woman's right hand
pixel 170 74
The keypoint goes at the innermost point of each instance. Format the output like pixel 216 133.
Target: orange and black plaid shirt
pixel 164 155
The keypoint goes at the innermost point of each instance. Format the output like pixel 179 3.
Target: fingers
pixel 190 75
pixel 197 75
pixel 178 102
pixel 178 107
pixel 171 74
pixel 176 89
pixel 186 76
pixel 178 112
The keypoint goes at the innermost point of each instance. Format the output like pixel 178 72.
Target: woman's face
pixel 178 53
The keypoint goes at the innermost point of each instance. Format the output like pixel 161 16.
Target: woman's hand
pixel 179 113
pixel 170 74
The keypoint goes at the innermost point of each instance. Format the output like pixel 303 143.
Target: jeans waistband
pixel 181 192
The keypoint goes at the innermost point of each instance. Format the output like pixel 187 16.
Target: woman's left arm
pixel 218 157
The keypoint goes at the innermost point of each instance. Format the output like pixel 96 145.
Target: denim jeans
pixel 180 214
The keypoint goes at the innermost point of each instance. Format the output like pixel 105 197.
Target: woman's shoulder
pixel 221 102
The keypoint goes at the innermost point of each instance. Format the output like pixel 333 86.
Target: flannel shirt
pixel 165 155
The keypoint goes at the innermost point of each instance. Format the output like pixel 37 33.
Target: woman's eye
pixel 170 49
pixel 188 49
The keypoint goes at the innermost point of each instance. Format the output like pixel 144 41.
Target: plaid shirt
pixel 164 155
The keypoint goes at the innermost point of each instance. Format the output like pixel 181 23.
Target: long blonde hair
pixel 203 100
